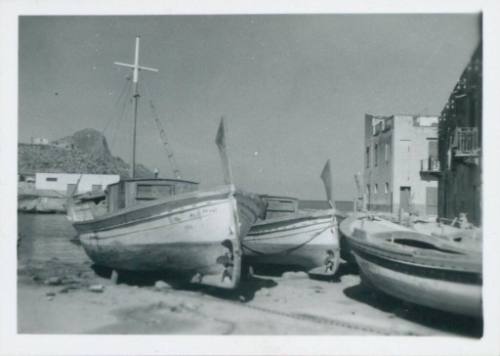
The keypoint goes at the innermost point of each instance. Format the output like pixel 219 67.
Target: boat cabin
pixel 127 193
pixel 279 206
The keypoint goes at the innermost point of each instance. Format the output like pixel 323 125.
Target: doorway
pixel 405 198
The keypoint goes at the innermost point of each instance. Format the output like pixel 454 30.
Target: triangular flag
pixel 326 177
pixel 220 140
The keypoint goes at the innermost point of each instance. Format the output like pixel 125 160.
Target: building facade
pixel 66 182
pixel 401 164
pixel 460 137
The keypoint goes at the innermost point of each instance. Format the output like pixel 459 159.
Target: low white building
pixel 66 182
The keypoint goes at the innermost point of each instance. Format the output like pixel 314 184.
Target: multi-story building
pixel 460 132
pixel 401 166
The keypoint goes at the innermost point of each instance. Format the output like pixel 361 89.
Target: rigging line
pixel 163 137
pixel 120 120
pixel 126 84
pixel 125 88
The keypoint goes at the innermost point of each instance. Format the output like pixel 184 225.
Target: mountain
pixel 86 151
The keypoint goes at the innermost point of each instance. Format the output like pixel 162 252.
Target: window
pixel 151 192
pixel 387 152
pixel 368 189
pixel 386 190
pixel 51 179
pixel 367 158
pixel 433 147
pixel 375 152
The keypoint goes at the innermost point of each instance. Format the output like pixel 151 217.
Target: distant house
pixel 39 141
pixel 460 137
pixel 66 182
pixel 401 163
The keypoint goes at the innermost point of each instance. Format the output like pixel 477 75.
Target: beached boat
pixel 416 267
pixel 291 236
pixel 167 224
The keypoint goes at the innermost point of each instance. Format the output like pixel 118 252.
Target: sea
pixel 44 237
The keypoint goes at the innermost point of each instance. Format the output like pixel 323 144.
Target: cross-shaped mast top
pixel 136 67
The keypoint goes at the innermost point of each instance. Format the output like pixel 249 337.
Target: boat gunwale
pixel 426 261
pixel 222 191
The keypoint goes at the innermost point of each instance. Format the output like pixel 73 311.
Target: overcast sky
pixel 293 89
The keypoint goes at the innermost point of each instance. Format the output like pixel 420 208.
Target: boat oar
pixel 69 199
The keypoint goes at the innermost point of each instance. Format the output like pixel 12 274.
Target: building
pixel 39 141
pixel 401 166
pixel 460 137
pixel 66 182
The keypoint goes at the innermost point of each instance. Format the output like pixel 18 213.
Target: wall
pixel 406 137
pixel 460 186
pixel 381 173
pixel 411 139
pixel 62 180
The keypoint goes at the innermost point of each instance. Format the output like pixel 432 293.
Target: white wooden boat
pixel 416 267
pixel 164 224
pixel 289 236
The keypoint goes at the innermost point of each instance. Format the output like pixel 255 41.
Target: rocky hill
pixel 86 151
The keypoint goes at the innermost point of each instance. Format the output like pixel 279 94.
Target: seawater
pixel 47 236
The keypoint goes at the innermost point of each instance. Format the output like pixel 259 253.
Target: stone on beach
pixel 294 275
pixel 96 288
pixel 265 292
pixel 53 281
pixel 162 285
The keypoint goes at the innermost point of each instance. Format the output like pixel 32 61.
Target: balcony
pixel 430 168
pixel 466 142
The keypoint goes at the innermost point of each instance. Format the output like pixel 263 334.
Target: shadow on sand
pixel 246 292
pixel 437 319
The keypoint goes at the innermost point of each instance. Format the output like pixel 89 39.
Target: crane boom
pixel 166 145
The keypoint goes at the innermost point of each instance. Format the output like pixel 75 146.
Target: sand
pixel 266 304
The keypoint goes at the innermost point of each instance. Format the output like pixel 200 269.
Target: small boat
pixel 168 224
pixel 416 267
pixel 287 235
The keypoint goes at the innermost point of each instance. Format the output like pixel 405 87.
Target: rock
pixel 265 292
pixel 96 288
pixel 161 285
pixel 50 294
pixel 294 275
pixel 53 281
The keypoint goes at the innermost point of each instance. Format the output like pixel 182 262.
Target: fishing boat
pixel 290 236
pixel 168 224
pixel 416 267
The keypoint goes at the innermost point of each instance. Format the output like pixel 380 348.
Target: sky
pixel 293 89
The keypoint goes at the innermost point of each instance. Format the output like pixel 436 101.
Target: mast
pixel 136 68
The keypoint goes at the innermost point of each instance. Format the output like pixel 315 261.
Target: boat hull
pixel 455 296
pixel 200 238
pixel 416 267
pixel 301 241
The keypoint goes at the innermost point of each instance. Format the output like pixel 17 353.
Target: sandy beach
pixel 57 297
